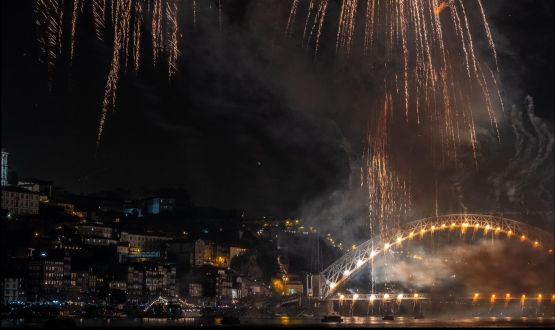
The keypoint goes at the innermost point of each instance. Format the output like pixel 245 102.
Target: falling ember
pixel 415 301
pixel 341 298
pixel 355 296
pixel 371 305
pixel 99 9
pixel 522 301
pixel 399 300
pixel 440 8
pixel 475 298
pixel 507 299
pixel 492 301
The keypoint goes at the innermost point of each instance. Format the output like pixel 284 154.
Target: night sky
pixel 251 119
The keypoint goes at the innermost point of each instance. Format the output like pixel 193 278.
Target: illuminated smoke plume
pixel 458 198
pixel 520 173
pixel 546 138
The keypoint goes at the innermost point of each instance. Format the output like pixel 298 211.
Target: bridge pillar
pixel 329 307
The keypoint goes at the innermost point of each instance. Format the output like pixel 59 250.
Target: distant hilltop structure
pixel 4 167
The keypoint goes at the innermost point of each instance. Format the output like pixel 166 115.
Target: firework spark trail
pixel 156 28
pixel 469 40
pixel 127 5
pixel 171 39
pixel 113 11
pixel 488 33
pixel 123 9
pixel 489 105
pixel 310 7
pixel 99 8
pixel 319 17
pixel 507 299
pixel 194 15
pixel 61 15
pixel 368 27
pixel 291 19
pixel 137 33
pixel 73 23
pixel 346 26
pixel 498 90
pixel 460 32
pixel 48 33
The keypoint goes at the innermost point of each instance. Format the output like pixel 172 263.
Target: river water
pixel 300 322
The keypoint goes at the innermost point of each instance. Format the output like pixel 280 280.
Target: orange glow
pixel 440 8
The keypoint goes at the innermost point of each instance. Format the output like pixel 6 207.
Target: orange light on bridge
pixel 386 245
pixel 509 233
pixel 536 243
pixel 550 250
pixel 416 296
pixel 443 226
pixel 453 224
pixel 399 239
pixel 477 225
pixel 522 238
pixel 465 224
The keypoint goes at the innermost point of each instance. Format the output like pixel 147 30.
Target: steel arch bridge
pixel 351 263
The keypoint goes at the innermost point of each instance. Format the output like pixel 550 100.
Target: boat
pixel 60 322
pixel 419 316
pixel 191 313
pixel 230 319
pixel 275 314
pixel 306 314
pixel 334 317
pixel 388 317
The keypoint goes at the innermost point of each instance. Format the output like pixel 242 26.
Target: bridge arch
pixel 351 263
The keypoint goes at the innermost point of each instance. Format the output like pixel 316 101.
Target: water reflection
pixel 348 322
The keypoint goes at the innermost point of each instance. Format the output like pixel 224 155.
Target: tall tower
pixel 4 167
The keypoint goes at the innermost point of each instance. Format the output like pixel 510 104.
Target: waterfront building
pixel 18 200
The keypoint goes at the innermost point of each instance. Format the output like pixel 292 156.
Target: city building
pixel 156 205
pixel 14 279
pixel 19 200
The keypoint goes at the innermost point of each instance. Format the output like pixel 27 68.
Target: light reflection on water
pixel 350 322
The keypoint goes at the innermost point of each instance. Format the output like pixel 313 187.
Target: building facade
pixel 19 200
